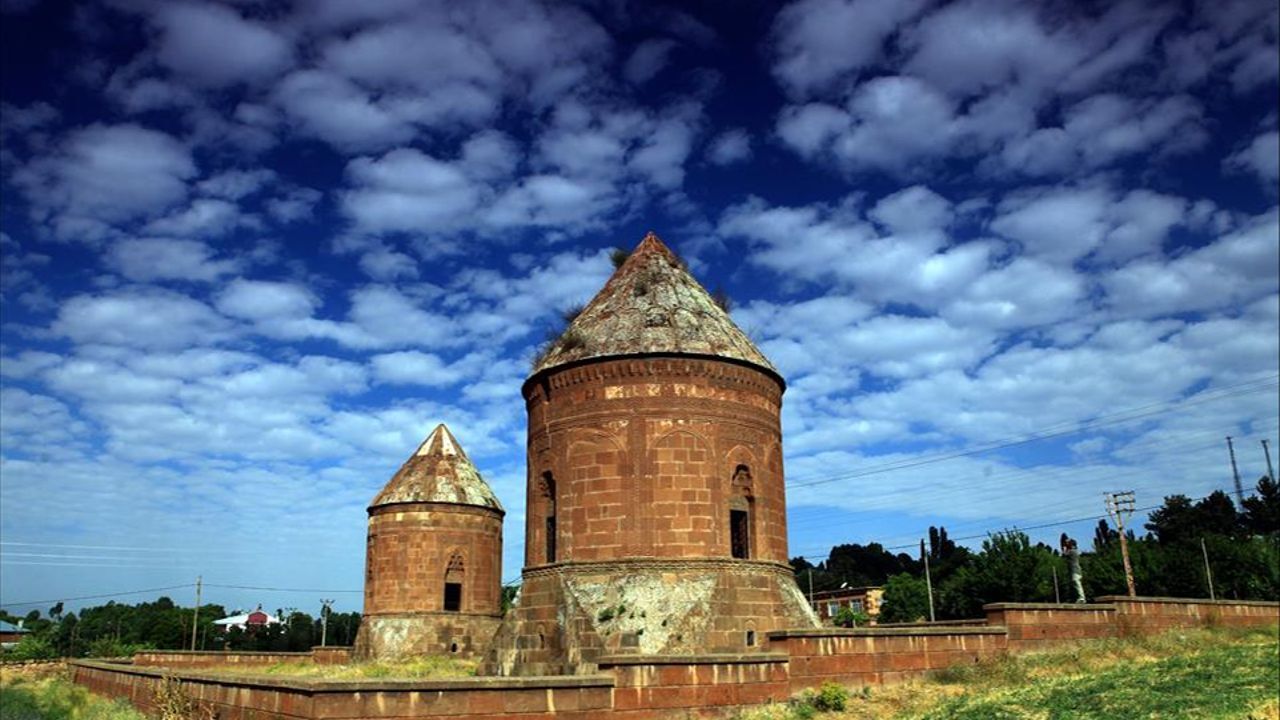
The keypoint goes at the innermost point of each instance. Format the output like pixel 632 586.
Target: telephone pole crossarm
pixel 1120 505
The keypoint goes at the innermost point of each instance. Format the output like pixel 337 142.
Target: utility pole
pixel 324 620
pixel 1235 471
pixel 928 580
pixel 1267 451
pixel 811 589
pixel 195 616
pixel 1120 504
pixel 1057 598
pixel 1208 574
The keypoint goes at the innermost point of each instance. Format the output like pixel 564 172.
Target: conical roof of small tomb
pixel 439 471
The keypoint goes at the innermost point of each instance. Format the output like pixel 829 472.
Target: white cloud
pixel 204 217
pixel 890 123
pixel 294 205
pixel 145 259
pixel 730 147
pixel 104 174
pixel 409 191
pixel 1260 157
pixel 647 60
pixel 335 110
pixel 1238 267
pixel 817 42
pixel 1064 224
pixel 143 319
pixel 261 300
pixel 414 368
pixel 213 45
pixel 237 183
pixel 914 209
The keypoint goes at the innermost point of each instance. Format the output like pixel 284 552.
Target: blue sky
pixel 254 252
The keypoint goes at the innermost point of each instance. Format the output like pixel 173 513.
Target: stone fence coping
pixel 332 647
pixel 972 622
pixel 1081 607
pixel 886 632
pixel 1187 601
pixel 224 653
pixel 709 659
pixel 319 685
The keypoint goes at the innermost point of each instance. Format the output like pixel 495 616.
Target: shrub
pixel 848 617
pixel 173 702
pixel 112 647
pixel 831 698
pixel 32 648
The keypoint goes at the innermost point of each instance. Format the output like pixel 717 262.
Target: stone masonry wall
pixel 410 547
pixel 643 454
pixel 874 656
pixel 1038 625
pixel 1155 614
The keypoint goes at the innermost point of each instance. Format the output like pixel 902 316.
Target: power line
pixel 1015 528
pixel 1003 478
pixel 99 597
pixel 1117 418
pixel 972 499
pixel 276 589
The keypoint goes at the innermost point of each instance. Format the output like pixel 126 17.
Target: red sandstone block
pixel 483 701
pixel 628 698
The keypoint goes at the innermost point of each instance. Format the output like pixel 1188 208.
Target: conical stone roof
pixel 652 305
pixel 439 471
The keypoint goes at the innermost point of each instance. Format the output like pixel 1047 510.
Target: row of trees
pixel 1242 543
pixel 117 629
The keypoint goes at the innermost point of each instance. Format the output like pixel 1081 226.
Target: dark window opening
pixel 549 495
pixel 739 534
pixel 453 647
pixel 452 597
pixel 551 539
pixel 751 638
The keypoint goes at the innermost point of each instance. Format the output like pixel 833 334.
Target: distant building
pixel 249 620
pixel 860 599
pixel 11 635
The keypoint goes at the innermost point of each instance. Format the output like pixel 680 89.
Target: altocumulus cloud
pixel 261 254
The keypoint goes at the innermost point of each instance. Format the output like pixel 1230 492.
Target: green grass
pixel 1231 681
pixel 53 697
pixel 1218 674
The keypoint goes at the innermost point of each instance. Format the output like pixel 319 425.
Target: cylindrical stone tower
pixel 656 513
pixel 433 567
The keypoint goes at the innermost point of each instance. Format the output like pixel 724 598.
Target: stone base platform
pixel 569 615
pixel 390 637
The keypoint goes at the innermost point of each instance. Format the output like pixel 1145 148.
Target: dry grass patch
pixel 430 667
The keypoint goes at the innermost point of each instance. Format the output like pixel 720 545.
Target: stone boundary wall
pixel 326 655
pixel 874 656
pixel 644 687
pixel 1156 614
pixel 1033 626
pixel 249 698
pixel 661 686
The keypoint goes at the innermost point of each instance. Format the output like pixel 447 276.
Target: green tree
pixel 1009 569
pixel 906 599
pixel 1261 514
